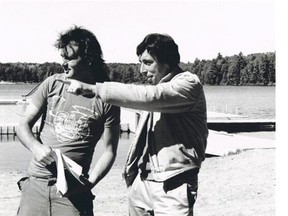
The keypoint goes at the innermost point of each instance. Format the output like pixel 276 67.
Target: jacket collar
pixel 170 75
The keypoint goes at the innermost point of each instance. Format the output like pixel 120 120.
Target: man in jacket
pixel 170 141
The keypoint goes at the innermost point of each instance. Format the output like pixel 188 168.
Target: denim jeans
pixel 40 198
pixel 175 196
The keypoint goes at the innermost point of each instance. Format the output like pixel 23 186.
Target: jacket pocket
pixel 22 182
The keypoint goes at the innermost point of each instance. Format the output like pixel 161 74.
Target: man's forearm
pixel 26 136
pixel 43 154
pixel 102 167
pixel 159 98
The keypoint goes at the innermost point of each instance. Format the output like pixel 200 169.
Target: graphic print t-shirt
pixel 71 123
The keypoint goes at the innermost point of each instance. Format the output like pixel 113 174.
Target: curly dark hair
pixel 90 49
pixel 161 47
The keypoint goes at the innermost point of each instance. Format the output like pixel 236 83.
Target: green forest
pixel 253 69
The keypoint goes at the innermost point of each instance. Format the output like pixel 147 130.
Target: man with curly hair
pixel 170 141
pixel 72 125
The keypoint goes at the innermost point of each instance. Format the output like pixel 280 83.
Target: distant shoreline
pixel 35 83
pixel 6 82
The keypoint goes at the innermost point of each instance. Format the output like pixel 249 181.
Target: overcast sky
pixel 201 29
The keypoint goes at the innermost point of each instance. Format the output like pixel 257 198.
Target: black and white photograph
pixel 122 107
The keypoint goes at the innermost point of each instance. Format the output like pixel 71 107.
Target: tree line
pixel 253 69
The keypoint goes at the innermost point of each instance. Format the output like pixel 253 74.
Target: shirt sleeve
pixel 178 95
pixel 45 89
pixel 39 97
pixel 112 115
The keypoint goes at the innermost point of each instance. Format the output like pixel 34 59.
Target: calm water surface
pixel 251 101
pixel 14 156
pixel 254 101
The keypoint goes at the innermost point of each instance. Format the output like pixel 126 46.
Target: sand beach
pixel 238 184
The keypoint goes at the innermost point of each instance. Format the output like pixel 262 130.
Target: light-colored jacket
pixel 179 128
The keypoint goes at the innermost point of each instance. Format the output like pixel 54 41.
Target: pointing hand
pixel 76 87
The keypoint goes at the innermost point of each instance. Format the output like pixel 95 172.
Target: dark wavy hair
pixel 90 50
pixel 161 47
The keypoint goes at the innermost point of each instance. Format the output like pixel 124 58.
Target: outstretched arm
pixel 181 94
pixel 105 162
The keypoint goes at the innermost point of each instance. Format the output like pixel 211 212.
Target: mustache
pixel 65 66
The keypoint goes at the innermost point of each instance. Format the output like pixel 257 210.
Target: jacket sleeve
pixel 178 95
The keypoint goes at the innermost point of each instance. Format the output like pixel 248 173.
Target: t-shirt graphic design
pixel 69 125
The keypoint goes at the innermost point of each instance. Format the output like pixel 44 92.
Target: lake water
pixel 251 101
